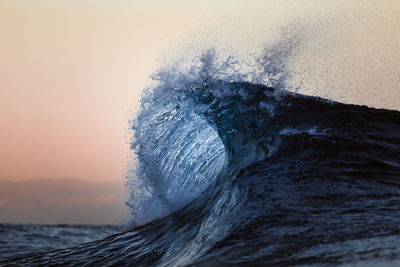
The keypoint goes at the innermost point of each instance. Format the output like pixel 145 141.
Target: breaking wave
pixel 232 169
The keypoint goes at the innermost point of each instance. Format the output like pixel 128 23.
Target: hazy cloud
pixel 62 201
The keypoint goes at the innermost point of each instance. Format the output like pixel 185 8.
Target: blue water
pixel 231 173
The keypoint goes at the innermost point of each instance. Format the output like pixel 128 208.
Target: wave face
pixel 256 176
pixel 179 154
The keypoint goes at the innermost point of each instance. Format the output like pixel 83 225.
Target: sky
pixel 70 74
pixel 71 71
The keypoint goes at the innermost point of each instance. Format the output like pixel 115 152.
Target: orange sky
pixel 69 76
pixel 71 71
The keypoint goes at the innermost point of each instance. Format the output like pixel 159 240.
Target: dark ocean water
pixel 17 240
pixel 240 174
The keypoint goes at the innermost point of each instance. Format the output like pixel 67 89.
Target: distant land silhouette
pixel 62 201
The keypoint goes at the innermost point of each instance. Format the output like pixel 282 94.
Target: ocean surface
pixel 241 174
pixel 19 240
